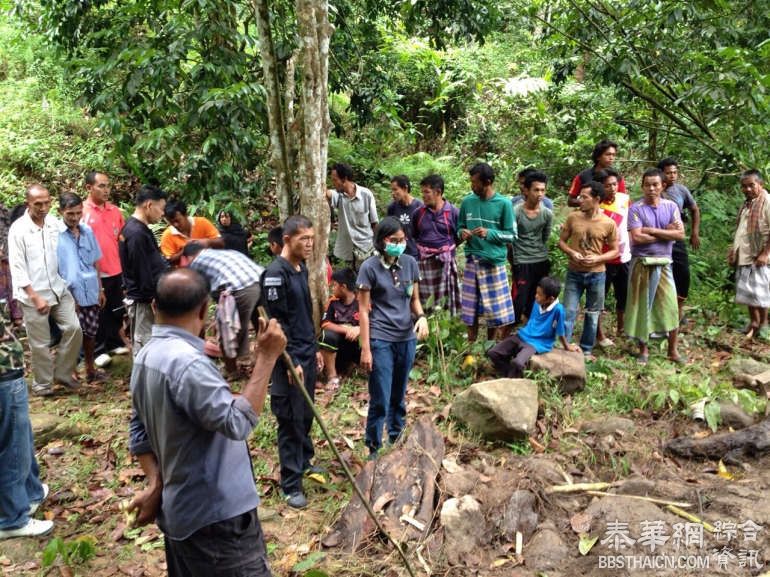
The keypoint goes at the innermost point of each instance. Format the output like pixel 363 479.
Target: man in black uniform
pixel 286 295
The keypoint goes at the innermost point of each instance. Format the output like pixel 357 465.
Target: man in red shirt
pixel 106 220
pixel 603 156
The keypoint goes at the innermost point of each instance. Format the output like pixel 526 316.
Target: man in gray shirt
pixel 189 434
pixel 356 216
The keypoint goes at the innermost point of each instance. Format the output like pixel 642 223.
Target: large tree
pixel 699 67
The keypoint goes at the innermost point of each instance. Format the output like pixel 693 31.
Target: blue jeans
pixel 391 363
pixel 19 474
pixel 592 283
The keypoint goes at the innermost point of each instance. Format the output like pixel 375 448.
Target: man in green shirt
pixel 487 226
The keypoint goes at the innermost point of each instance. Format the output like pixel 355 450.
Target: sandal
pixel 333 385
pixel 96 377
pixel 642 359
pixel 679 360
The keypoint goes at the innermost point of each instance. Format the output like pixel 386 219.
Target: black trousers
pixel 510 356
pixel 681 269
pixel 295 447
pixel 526 276
pixel 110 320
pixel 231 548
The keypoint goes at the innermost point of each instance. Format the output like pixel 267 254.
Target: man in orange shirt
pixel 106 220
pixel 182 229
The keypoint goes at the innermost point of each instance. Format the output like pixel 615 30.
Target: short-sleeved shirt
pixel 390 293
pixel 617 210
pixel 587 176
pixel 405 214
pixel 642 214
pixel 588 236
pixel 106 221
pixel 77 264
pixel 172 240
pixel 186 415
pixel 355 219
pixel 227 269
pixel 435 228
pixel 340 313
pixel 543 327
pixel 682 196
pixel 532 243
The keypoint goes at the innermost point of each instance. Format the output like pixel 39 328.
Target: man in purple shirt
pixel 434 230
pixel 654 224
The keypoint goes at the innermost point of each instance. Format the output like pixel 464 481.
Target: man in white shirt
pixel 32 242
pixel 356 215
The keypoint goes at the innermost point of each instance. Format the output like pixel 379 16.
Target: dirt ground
pixel 90 472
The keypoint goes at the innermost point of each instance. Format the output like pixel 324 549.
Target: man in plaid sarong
pixel 434 229
pixel 486 223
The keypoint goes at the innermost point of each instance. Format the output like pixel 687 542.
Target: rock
pixel 747 367
pixel 636 486
pixel 498 410
pixel 463 524
pixel 519 515
pixel 567 367
pixel 460 482
pixel 763 378
pixel 546 550
pixel 46 428
pixel 734 416
pixel 608 426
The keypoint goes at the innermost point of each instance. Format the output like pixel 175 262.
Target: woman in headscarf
pixel 236 237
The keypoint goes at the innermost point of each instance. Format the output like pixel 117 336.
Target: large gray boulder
pixel 499 410
pixel 566 367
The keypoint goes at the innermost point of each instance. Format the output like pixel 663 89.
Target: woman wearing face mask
pixel 390 319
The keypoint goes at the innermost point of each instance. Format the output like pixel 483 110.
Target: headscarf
pixel 235 236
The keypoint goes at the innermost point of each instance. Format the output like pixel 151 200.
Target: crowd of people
pixel 93 278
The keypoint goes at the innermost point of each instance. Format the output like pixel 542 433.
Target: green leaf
pixel 51 551
pixel 586 543
pixel 316 573
pixel 713 415
pixel 673 394
pixel 308 562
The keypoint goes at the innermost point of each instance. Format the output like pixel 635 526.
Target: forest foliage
pixel 172 91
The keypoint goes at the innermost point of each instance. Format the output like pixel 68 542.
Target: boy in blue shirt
pixel 511 355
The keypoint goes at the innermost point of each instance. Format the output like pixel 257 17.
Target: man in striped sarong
pixel 434 229
pixel 486 223
pixel 749 253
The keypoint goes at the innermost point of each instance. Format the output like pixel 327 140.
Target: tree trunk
pixel 279 152
pixel 730 447
pixel 313 125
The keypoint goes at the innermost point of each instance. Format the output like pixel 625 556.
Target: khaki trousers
pixel 45 370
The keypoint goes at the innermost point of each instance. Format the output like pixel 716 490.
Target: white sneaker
pixel 33 528
pixel 102 360
pixel 33 507
pixel 120 351
pixel 42 390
